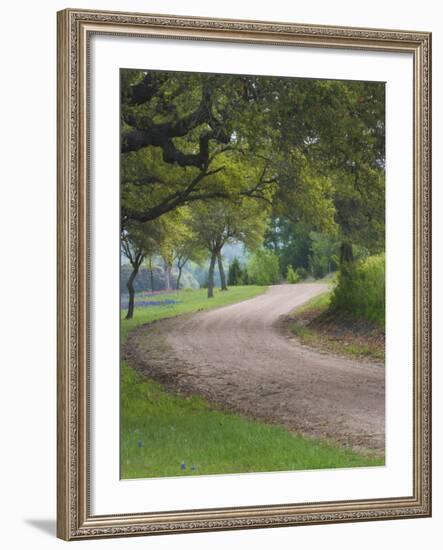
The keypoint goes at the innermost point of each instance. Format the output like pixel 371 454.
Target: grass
pixel 316 326
pixel 319 303
pixel 169 435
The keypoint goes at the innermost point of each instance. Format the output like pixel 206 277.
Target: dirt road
pixel 239 358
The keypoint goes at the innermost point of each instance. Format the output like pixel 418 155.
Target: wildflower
pixel 183 466
pixel 139 443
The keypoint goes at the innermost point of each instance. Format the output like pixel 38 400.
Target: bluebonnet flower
pixel 139 443
pixel 183 466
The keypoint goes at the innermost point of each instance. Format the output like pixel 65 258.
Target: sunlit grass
pixel 320 302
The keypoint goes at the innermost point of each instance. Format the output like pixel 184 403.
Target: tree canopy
pixel 304 145
pixel 210 159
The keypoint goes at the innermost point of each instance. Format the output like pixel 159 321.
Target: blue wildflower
pixel 183 466
pixel 139 443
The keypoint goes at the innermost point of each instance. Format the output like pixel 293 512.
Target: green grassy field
pixel 167 435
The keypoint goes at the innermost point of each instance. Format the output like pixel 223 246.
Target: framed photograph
pixel 243 274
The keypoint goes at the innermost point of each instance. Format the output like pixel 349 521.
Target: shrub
pixel 235 273
pixel 361 289
pixel 302 272
pixel 245 277
pixel 292 276
pixel 263 268
pixel 323 256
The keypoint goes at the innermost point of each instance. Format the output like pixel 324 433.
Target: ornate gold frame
pixel 74 30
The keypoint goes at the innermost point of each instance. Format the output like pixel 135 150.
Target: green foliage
pixel 177 237
pixel 323 258
pixel 313 148
pixel 220 222
pixel 308 252
pixel 361 289
pixel 192 136
pixel 235 273
pixel 290 241
pixel 263 268
pixel 140 239
pixel 292 276
pixel 302 273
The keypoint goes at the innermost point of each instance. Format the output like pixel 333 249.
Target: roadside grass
pixel 319 303
pixel 316 326
pixel 163 434
pixel 169 435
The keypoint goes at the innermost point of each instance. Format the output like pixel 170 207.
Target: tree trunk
pixel 180 269
pixel 221 270
pixel 167 272
pixel 211 275
pixel 130 285
pixel 151 273
pixel 346 254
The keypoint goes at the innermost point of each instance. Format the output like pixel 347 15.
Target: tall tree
pixel 221 270
pixel 137 241
pixel 150 268
pixel 178 244
pixel 221 222
pixel 188 251
pixel 290 241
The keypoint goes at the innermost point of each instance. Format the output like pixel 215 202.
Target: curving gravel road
pixel 239 358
